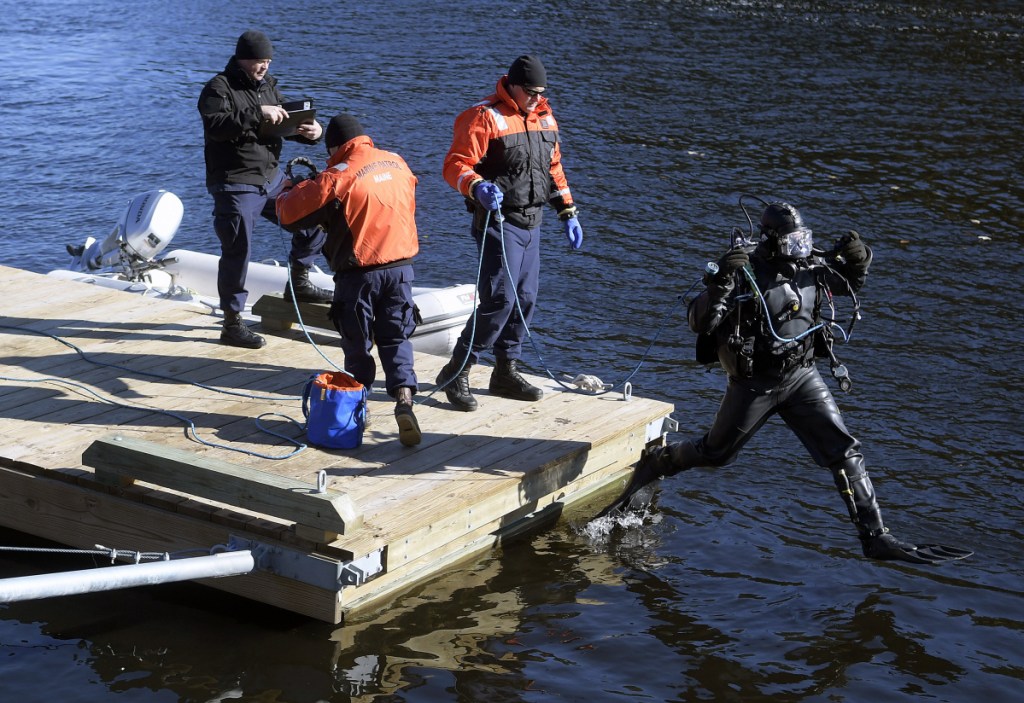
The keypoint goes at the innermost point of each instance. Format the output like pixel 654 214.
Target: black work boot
pixel 235 333
pixel 305 290
pixel 457 387
pixel 408 429
pixel 507 382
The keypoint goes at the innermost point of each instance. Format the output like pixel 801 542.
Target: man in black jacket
pixel 242 156
pixel 761 318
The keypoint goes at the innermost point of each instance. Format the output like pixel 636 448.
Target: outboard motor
pixel 149 223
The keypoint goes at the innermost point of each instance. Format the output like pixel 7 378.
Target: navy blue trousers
pixel 498 325
pixel 235 209
pixel 371 307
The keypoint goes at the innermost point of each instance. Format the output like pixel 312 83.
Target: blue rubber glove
pixel 488 195
pixel 573 232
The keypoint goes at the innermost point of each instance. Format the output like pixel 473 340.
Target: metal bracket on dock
pixel 658 428
pixel 309 568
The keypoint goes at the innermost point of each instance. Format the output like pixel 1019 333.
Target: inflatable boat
pixel 129 259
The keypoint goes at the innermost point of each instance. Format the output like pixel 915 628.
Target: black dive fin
pixel 888 547
pixel 630 500
pixel 935 554
pixel 640 489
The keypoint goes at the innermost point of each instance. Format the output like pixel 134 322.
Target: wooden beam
pixel 277 314
pixel 116 458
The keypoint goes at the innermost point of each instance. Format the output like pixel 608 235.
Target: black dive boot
pixel 305 290
pixel 507 382
pixel 235 333
pixel 875 539
pixel 408 429
pixel 457 387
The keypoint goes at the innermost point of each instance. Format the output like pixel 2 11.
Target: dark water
pixel 900 119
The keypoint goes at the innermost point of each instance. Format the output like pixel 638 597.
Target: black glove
pixel 853 249
pixel 300 161
pixel 730 263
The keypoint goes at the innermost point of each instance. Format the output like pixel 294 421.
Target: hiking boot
pixel 235 333
pixel 305 290
pixel 507 382
pixel 457 388
pixel 408 429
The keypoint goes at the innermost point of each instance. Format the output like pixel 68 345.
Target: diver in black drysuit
pixel 765 339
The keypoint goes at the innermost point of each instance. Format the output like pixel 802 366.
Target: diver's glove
pixel 488 195
pixel 573 230
pixel 887 547
pixel 853 250
pixel 731 262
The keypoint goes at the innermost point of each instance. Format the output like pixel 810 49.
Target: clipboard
pixel 299 112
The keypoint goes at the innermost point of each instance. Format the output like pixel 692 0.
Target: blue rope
pixel 828 322
pixel 190 428
pixel 476 303
pixel 302 324
pixel 536 347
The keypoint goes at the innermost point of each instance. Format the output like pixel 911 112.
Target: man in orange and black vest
pixel 366 202
pixel 506 161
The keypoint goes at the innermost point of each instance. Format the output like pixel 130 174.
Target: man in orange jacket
pixel 366 202
pixel 505 160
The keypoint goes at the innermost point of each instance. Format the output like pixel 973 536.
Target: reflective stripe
pixel 499 119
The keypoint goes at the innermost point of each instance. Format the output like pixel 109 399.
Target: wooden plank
pixel 481 496
pixel 117 456
pixel 439 554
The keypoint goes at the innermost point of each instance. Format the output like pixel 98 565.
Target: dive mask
pixel 795 245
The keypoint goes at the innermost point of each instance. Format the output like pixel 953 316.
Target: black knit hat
pixel 340 129
pixel 529 71
pixel 254 45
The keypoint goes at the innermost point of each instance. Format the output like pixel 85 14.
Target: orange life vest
pixel 520 153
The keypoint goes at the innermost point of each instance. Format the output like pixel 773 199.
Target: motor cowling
pixel 149 223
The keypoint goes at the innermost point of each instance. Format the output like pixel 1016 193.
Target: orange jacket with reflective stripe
pixel 366 202
pixel 520 153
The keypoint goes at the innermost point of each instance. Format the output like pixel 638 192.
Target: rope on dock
pixel 190 427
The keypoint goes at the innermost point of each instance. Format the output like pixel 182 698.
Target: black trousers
pixel 803 401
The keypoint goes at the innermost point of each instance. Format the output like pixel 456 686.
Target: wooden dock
pixel 96 459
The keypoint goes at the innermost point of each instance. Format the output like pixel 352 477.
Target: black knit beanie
pixel 528 71
pixel 254 45
pixel 340 129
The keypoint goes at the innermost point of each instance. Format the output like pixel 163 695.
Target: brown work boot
pixel 408 429
pixel 507 382
pixel 235 333
pixel 456 387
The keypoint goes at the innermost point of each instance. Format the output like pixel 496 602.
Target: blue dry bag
pixel 334 405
